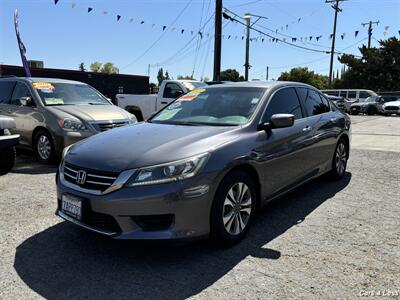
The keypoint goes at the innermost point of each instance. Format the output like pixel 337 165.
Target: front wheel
pixel 7 160
pixel 339 161
pixel 371 111
pixel 44 147
pixel 233 208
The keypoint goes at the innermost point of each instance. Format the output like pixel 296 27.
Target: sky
pixel 64 35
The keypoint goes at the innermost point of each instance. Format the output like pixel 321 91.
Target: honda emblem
pixel 81 177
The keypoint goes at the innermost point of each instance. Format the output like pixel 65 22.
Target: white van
pixel 353 95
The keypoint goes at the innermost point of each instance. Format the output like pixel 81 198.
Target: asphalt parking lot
pixel 336 240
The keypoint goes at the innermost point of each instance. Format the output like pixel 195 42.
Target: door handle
pixel 307 129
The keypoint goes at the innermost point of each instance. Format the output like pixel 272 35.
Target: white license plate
pixel 71 206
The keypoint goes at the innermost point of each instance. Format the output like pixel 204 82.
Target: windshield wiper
pixel 96 103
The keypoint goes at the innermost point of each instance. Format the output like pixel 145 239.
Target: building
pixel 108 84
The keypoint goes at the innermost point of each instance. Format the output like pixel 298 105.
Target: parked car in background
pixel 51 114
pixel 353 95
pixel 143 106
pixel 203 165
pixel 340 102
pixel 371 106
pixel 391 107
pixel 8 142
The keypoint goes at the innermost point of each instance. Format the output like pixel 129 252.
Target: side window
pixel 352 95
pixel 342 93
pixel 21 90
pixel 326 103
pixel 284 101
pixel 171 90
pixel 313 104
pixel 6 89
pixel 364 95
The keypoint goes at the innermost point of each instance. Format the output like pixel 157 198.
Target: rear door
pixel 284 150
pixel 323 126
pixel 26 117
pixel 6 90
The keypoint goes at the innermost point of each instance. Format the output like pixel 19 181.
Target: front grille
pixel 154 222
pixel 95 219
pixel 391 108
pixel 94 180
pixel 101 221
pixel 107 125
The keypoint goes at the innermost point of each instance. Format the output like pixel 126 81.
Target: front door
pixel 284 151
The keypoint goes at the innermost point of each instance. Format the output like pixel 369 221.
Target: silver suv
pixel 51 114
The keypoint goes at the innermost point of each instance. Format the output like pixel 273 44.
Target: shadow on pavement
pixel 27 164
pixel 64 262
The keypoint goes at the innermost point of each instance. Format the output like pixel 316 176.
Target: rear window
pixel 364 95
pixel 6 89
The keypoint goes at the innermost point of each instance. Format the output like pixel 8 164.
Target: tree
pixel 95 66
pixel 82 67
pixel 160 76
pixel 378 69
pixel 187 77
pixel 306 76
pixel 231 75
pixel 109 68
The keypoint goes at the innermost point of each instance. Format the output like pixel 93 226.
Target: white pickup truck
pixel 144 106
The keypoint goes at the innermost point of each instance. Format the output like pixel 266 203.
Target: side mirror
pixel 177 94
pixel 25 101
pixel 281 120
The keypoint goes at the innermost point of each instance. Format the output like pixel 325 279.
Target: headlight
pixel 168 172
pixel 65 152
pixel 73 125
pixel 132 119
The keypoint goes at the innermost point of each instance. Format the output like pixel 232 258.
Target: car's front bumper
pixel 7 141
pixel 167 211
pixel 66 138
pixel 391 111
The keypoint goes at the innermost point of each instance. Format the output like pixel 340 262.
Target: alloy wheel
pixel 237 208
pixel 341 158
pixel 44 147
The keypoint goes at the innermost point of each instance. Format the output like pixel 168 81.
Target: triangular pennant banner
pixel 182 31
pixel 356 33
pixel 55 2
pixel 164 27
pixel 310 38
pixel 89 9
pixel 331 36
pixel 130 20
pixel 73 5
pixel 118 17
pixel 142 22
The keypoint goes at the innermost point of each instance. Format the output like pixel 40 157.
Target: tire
pixel 371 111
pixel 238 217
pixel 339 160
pixel 7 160
pixel 43 147
pixel 354 113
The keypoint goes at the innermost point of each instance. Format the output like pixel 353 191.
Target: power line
pixel 159 38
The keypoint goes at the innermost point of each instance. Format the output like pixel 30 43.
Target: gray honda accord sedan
pixel 205 164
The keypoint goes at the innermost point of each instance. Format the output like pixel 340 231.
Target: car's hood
pixel 91 112
pixel 146 144
pixel 392 103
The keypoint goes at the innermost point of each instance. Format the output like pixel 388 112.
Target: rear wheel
pixel 44 147
pixel 7 160
pixel 233 208
pixel 339 161
pixel 371 111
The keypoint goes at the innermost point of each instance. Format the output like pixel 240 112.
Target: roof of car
pixel 42 79
pixel 260 84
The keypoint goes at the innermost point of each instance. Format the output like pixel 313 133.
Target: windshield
pixel 191 85
pixel 227 106
pixel 68 94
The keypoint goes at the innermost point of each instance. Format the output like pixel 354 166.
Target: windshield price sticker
pixel 191 95
pixel 54 101
pixel 44 86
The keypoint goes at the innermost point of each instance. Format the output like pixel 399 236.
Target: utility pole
pixel 267 73
pixel 370 23
pixel 337 10
pixel 217 40
pixel 247 62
